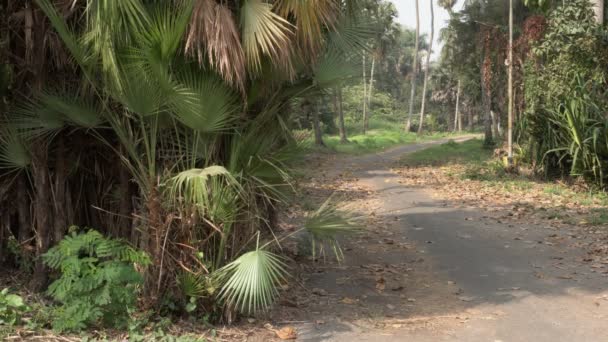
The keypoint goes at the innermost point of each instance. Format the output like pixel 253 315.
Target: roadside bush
pixel 12 307
pixel 565 125
pixel 98 281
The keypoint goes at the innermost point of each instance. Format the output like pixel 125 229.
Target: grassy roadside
pixel 467 173
pixel 382 135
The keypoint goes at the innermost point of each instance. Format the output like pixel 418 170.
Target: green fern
pixel 98 280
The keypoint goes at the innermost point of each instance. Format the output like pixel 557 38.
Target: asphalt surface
pixel 503 284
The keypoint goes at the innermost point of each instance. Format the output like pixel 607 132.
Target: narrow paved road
pixel 447 274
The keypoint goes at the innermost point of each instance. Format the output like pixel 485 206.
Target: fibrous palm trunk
pixel 408 124
pixel 42 211
pixel 426 70
pixel 364 95
pixel 510 90
pixel 60 217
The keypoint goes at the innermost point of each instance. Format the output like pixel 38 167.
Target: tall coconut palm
pixel 427 69
pixel 510 88
pixel 414 75
pixel 384 40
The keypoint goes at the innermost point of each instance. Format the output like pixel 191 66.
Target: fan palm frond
pixel 326 224
pixel 312 20
pixel 72 108
pixel 264 33
pixel 194 187
pixel 14 154
pixel 202 102
pixel 334 68
pixel 196 285
pixel 250 283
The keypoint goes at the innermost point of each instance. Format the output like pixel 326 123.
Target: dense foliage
pixel 165 124
pixel 565 94
pixel 98 280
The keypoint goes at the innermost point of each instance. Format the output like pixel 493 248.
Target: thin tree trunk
pixel 470 118
pixel 341 126
pixel 486 92
pixel 510 90
pixel 364 94
pixel 495 119
pixel 60 216
pixel 457 116
pixel 408 124
pixel 370 92
pixel 426 71
pixel 155 228
pixel 23 209
pixel 42 212
pixel 126 206
pixel 317 125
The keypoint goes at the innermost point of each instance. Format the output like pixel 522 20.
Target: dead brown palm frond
pixel 214 35
pixel 311 19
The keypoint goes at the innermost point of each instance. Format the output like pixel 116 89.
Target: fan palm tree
pixel 427 69
pixel 186 102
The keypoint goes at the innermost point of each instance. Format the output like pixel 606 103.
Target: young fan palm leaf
pixel 250 283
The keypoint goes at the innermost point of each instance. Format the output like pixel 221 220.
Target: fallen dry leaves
pixel 520 201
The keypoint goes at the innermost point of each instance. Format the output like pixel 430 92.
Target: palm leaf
pixel 326 224
pixel 265 33
pixel 312 19
pixel 14 154
pixel 250 283
pixel 72 108
pixel 333 69
pixel 196 187
pixel 202 102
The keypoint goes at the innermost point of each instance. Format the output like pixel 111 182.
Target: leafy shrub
pixel 565 126
pixel 98 281
pixel 12 308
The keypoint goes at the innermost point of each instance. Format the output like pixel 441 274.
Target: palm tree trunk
pixel 486 92
pixel 317 125
pixel 43 213
pixel 457 117
pixel 60 217
pixel 364 95
pixel 426 71
pixel 341 126
pixel 369 95
pixel 408 124
pixel 510 90
pixel 23 209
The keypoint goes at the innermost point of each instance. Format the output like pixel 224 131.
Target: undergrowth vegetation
pixel 382 134
pixel 565 126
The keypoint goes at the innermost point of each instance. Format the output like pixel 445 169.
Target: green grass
pixel 380 136
pixel 468 152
